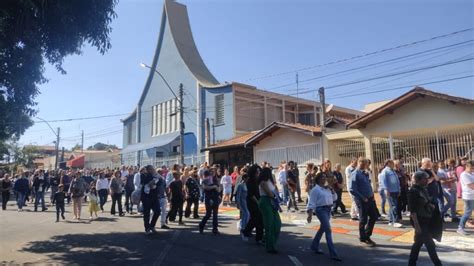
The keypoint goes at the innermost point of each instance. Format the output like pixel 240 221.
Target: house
pixel 419 123
pixel 94 159
pixel 213 111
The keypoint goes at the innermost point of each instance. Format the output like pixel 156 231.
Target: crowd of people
pixel 261 192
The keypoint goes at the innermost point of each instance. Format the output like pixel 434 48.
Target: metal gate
pixel 437 145
pixel 300 154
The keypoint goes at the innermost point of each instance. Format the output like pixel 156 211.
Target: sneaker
pixel 336 259
pixel 62 216
pixel 461 231
pixel 181 223
pixel 354 219
pixel 45 209
pixel 57 220
pixel 165 227
pixel 244 238
pixel 319 251
pixel 201 229
pixel 148 232
pixel 153 230
pixel 370 242
pixel 397 225
pixel 216 232
pixel 390 224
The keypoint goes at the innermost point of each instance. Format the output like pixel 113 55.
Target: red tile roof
pixel 268 130
pixel 233 142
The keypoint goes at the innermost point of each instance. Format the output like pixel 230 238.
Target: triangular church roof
pixel 176 16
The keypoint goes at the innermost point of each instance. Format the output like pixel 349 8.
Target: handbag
pixel 136 196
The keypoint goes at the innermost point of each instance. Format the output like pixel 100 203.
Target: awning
pixel 76 162
pixel 154 142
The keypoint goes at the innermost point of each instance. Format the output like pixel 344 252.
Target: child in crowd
pixel 226 183
pixel 59 198
pixel 93 202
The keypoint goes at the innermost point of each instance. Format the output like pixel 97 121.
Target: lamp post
pixel 181 110
pixel 56 133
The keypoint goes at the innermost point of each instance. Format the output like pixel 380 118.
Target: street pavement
pixel 34 238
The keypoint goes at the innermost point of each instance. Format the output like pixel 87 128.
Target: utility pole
pixel 82 143
pixel 213 131
pixel 297 120
pixel 181 123
pixel 57 149
pixel 322 99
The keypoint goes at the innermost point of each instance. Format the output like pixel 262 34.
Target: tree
pixel 76 147
pixel 35 31
pixel 99 146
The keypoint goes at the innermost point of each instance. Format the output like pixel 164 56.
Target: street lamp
pixel 56 142
pixel 181 110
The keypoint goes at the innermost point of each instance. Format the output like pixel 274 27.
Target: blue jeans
pixel 468 207
pixel 450 195
pixel 286 193
pixel 324 214
pixel 384 199
pixel 20 199
pixel 392 202
pixel 244 216
pixel 39 196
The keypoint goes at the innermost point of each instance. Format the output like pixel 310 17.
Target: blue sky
pixel 246 40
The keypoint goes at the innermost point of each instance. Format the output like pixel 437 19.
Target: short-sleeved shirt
pixel 466 179
pixel 193 188
pixel 176 189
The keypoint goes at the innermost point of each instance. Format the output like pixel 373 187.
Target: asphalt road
pixel 30 237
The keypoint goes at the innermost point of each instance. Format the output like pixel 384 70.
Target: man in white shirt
pixel 282 175
pixel 467 183
pixel 349 169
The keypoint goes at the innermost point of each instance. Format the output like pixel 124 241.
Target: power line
pixel 393 74
pixel 403 76
pixel 401 87
pixel 363 55
pixel 399 73
pixel 376 63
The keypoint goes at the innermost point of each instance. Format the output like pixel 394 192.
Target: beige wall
pixel 422 114
pixel 285 138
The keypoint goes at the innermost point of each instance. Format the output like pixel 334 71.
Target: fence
pixel 346 149
pixel 300 154
pixel 437 145
pixel 170 160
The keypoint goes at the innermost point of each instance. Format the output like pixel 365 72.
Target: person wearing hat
pixel 422 211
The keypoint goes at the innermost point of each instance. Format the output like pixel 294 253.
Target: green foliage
pixel 35 31
pixel 99 146
pixel 76 147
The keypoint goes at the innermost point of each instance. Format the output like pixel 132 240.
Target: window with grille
pixel 219 105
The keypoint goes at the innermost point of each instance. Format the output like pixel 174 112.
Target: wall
pixel 133 123
pixel 224 131
pixel 285 138
pixel 288 145
pixel 421 114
